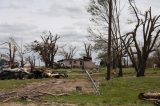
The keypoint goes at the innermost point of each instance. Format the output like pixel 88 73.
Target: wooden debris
pixel 78 88
pixel 47 93
pixel 6 100
pixel 35 90
pixel 149 96
pixel 157 103
pixel 8 94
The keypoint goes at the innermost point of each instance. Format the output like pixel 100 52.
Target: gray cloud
pixel 68 37
pixel 62 8
pixel 11 28
pixel 68 18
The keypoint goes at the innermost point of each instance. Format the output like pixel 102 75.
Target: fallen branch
pixel 9 93
pixel 7 99
pixel 149 96
pixel 47 93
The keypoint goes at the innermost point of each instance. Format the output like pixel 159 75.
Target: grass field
pixel 116 92
pixel 9 84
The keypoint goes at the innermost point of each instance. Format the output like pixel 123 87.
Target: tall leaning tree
pixel 144 37
pixel 106 15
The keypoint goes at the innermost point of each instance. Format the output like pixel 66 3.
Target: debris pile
pixel 23 74
pixel 149 96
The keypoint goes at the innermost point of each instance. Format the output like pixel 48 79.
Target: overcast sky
pixel 27 19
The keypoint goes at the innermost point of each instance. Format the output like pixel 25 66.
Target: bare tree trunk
pixel 109 41
pixel 10 55
pixel 113 59
pixel 22 62
pixel 120 73
pixel 52 58
pixel 141 70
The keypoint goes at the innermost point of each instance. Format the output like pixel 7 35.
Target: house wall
pixel 89 65
pixel 73 63
pixel 77 64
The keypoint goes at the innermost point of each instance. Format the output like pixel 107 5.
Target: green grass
pixel 9 84
pixel 130 72
pixel 119 91
pixel 116 92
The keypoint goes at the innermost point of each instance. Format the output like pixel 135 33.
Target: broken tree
pixel 47 49
pixel 140 49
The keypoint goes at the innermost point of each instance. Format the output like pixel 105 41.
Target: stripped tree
pixel 31 59
pixel 88 50
pixel 106 13
pixel 69 52
pixel 12 49
pixel 140 49
pixel 21 53
pixel 47 48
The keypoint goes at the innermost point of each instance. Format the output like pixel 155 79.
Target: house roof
pixel 84 59
pixel 69 60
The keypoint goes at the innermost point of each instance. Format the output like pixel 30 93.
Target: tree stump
pixel 78 88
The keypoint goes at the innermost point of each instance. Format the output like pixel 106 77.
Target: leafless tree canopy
pixel 139 51
pixel 88 50
pixel 12 49
pixel 69 52
pixel 106 14
pixel 31 59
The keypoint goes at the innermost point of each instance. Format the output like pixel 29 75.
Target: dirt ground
pixel 49 87
pixel 33 104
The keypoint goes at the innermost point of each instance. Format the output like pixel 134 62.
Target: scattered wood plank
pixel 7 99
pixel 9 93
pixel 149 96
pixel 48 93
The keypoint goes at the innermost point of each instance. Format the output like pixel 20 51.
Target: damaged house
pixel 77 63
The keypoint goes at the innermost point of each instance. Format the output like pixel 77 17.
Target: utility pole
pixel 109 41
